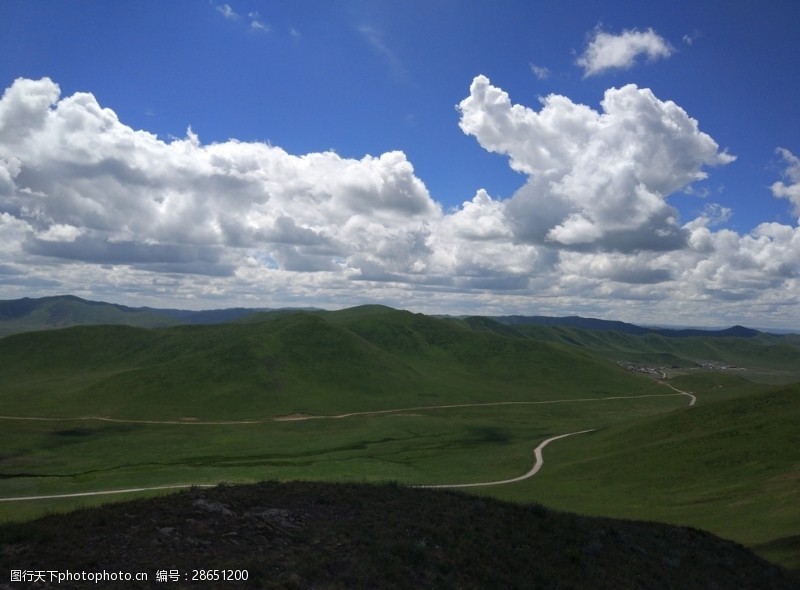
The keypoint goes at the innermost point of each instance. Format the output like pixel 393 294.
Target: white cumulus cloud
pixel 606 51
pixel 791 190
pixel 597 180
pixel 90 188
pixel 91 206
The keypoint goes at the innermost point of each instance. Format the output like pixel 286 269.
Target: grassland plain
pixel 418 446
pixel 373 359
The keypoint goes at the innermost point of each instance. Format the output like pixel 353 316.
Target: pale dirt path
pixel 692 398
pixel 537 465
pixel 302 417
pixel 109 492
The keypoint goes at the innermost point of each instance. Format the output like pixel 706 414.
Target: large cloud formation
pixel 90 188
pixel 90 206
pixel 597 180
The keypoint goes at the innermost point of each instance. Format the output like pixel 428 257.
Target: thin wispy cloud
pixel 690 38
pixel 376 40
pixel 228 12
pixel 541 72
pixel 257 23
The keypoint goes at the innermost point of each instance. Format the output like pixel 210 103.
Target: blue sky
pixel 334 158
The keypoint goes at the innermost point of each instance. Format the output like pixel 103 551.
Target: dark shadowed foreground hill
pixel 316 535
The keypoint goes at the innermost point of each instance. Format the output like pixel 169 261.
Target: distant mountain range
pixel 46 313
pixel 623 327
pixel 64 311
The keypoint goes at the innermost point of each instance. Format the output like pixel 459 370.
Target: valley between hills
pixel 685 428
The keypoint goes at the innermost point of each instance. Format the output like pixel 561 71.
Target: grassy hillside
pixel 160 400
pixel 312 535
pixel 372 394
pixel 762 353
pixel 731 466
pixel 331 362
pixel 124 407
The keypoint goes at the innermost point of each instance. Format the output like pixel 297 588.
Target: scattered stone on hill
pixel 212 507
pixel 315 535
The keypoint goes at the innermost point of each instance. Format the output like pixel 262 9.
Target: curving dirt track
pixel 537 465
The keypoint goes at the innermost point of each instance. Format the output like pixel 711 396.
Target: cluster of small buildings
pixel 646 369
pixel 661 372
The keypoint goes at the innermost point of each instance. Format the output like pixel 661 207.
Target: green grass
pixel 421 447
pixel 311 363
pixel 764 354
pixel 730 464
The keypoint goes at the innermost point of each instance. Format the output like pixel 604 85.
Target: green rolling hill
pixel 730 465
pixel 280 363
pixel 430 398
pixel 761 352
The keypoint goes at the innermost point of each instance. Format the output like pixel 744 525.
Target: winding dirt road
pixel 537 465
pixel 692 398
